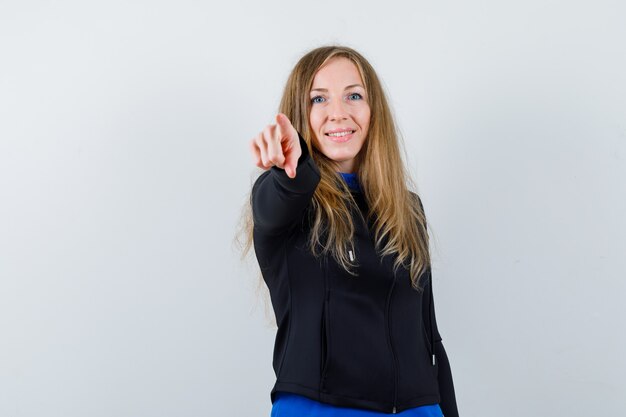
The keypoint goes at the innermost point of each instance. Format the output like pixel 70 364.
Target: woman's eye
pixel 313 100
pixel 356 94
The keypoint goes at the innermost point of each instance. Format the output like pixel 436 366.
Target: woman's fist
pixel 278 144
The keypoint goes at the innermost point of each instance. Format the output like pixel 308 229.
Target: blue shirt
pixel 352 181
pixel 288 404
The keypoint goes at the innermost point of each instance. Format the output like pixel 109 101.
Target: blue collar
pixel 352 180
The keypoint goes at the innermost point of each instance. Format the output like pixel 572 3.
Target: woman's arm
pixel 446 385
pixel 278 201
pixel 444 375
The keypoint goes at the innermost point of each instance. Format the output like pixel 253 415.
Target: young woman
pixel 343 249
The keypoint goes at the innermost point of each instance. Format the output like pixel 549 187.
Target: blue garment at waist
pixel 288 404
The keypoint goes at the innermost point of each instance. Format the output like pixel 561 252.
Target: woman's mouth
pixel 340 136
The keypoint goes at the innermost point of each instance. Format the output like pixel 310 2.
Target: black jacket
pixel 369 341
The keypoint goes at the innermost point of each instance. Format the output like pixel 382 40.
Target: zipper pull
pixel 394 409
pixel 433 359
pixel 351 255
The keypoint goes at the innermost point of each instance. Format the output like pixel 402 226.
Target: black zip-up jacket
pixel 369 341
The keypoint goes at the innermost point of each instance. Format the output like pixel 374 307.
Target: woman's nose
pixel 337 110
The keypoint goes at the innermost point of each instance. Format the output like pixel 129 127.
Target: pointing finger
pixel 284 125
pixel 274 150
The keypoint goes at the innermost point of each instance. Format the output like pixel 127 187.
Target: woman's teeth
pixel 341 133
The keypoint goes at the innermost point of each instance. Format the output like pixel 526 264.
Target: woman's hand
pixel 278 144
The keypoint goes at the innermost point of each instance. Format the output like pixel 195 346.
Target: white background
pixel 124 165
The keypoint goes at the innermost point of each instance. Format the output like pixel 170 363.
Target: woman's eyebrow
pixel 350 86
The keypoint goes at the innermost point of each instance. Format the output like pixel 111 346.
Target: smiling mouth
pixel 342 137
pixel 341 134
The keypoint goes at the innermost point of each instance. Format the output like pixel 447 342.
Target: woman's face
pixel 339 104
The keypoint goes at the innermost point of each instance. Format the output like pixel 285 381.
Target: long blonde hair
pixel 399 220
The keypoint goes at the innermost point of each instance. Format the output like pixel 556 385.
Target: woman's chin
pixel 341 159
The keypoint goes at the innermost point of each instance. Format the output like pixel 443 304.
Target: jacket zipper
pixel 393 355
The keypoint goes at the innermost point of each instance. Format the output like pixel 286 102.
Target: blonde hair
pixel 397 213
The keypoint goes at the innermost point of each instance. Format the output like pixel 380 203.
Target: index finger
pixel 283 124
pixel 274 149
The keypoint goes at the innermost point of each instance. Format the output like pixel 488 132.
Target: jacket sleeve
pixel 446 385
pixel 278 201
pixel 444 374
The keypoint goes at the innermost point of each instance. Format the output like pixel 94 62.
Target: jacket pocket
pixel 426 339
pixel 325 338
